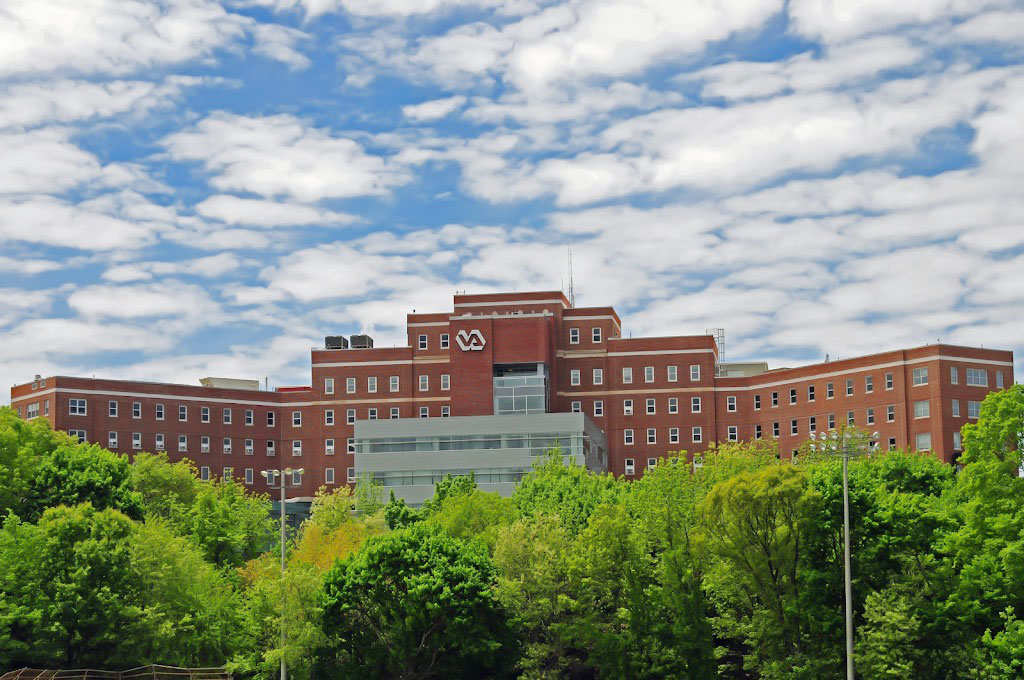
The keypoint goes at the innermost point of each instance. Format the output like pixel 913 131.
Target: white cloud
pixel 213 266
pixel 278 43
pixel 29 266
pixel 992 26
pixel 160 299
pixel 282 156
pixel 75 338
pixel 433 109
pixel 837 21
pixel 85 226
pixel 261 213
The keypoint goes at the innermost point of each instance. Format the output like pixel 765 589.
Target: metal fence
pixel 152 672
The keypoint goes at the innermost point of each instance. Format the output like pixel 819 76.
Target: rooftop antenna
pixel 572 290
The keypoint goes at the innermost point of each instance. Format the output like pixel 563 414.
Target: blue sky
pixel 193 188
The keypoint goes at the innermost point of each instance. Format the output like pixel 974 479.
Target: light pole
pixel 270 475
pixel 832 444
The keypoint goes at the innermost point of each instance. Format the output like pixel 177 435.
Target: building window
pixel 757 402
pixel 350 416
pixel 673 405
pixel 350 475
pixel 627 436
pixel 627 375
pixel 227 416
pixel 159 443
pixel 423 342
pixel 159 411
pixel 393 383
pixel 204 414
pixel 652 462
pixel 648 374
pixel 350 445
pixel 574 336
pixel 890 414
pixel 371 414
pixel 627 407
pixel 869 383
pixel 730 404
pixel 445 343
pixel 111 409
pixel 350 385
pixel 328 475
pixel 776 429
pixel 250 449
pixel 204 444
pixel 694 372
pixel 270 418
pixel 250 417
pixel 954 375
pixel 922 409
pixel 775 399
pixel 892 443
pixel 446 381
pixel 849 387
pixel 598 407
pixel 695 405
pixel 757 431
pixel 371 384
pixel 888 381
pixel 577 407
pixel 136 440
pixel 296 478
pixel 182 443
pixel 923 441
pixel 849 418
pixel 871 416
pixel 395 413
pixel 792 396
pixel 956 408
pixel 651 407
pixel 248 475
pixel 446 411
pixel 695 435
pixel 598 376
pixel 999 380
pixel 226 443
pixel 31 411
pixel 919 376
pixel 831 421
pixel 733 433
pixel 973 409
pixel 810 393
pixel 673 374
pixel 328 385
pixel 673 435
pixel 296 447
pixel 271 451
pixel 136 409
pixel 630 466
pixel 830 391
pixel 794 427
pixel 329 417
pixel 227 473
pixel 204 473
pixel 78 434
pixel 296 418
pixel 977 377
pixel 424 383
pixel 77 407
pixel 574 377
pixel 182 412
pixel 424 411
pixel 595 333
pixel 329 447
pixel 111 440
pixel 652 435
pixel 812 424
pixel 957 442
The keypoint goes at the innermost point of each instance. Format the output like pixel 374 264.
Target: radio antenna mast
pixel 572 290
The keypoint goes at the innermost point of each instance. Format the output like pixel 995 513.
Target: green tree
pixel 415 603
pixel 167 489
pixel 887 642
pixel 476 515
pixel 398 515
pixel 459 485
pixel 228 524
pixel 567 491
pixel 369 497
pixel 23 444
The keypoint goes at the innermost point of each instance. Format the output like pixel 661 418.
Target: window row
pixel 574 335
pixel 651 434
pixel 597 375
pixel 975 377
pixel 270 479
pixel 423 341
pixel 394 413
pixel 394 384
pixel 80 407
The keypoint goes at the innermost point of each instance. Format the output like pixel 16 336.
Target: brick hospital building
pixel 514 372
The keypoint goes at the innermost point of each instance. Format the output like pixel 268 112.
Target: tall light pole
pixel 832 444
pixel 270 475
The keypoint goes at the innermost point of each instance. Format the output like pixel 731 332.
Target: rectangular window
pixel 733 433
pixel 869 383
pixel 598 407
pixel 371 414
pixel 890 414
pixel 694 372
pixel 136 409
pixel 328 475
pixel 651 407
pixel 888 381
pixel 350 444
pixel 695 405
pixel 136 440
pixel 350 385
pixel 627 407
pixel 111 440
pixel 973 409
pixel 775 399
pixel 757 402
pixel 648 374
pixel 328 385
pixel 446 411
pixel 850 418
pixel 296 478
pixel 730 404
pixel 630 466
pixel 423 342
pixel 673 435
pixel 395 413
pixel 250 417
pixel 577 407
pixel 627 436
pixel 792 396
pixel 977 377
pixel 182 443
pixel 204 473
pixel 77 407
pixel 831 421
pixel 111 408
pixel 46 406
pixel 794 427
pixel 204 444
pixel 271 418
pixel 923 441
pixel 627 375
pixel 445 342
pixel 810 393
pixel 673 374
pixel 892 443
pixel 652 435
pixel 598 376
pixel 159 443
pixel 31 411
pixel 78 434
pixel 424 383
pixel 776 430
pixel 226 443
pixel 350 416
pixel 812 424
pixel 250 447
pixel 248 475
pixel 271 451
pixel 227 474
pixel 956 408
pixel 296 418
pixel 922 409
pixel 957 442
pixel 350 475
pixel 849 387
pixel 393 383
pixel 830 391
pixel 695 435
pixel 574 377
pixel 424 411
pixel 871 416
pixel 652 462
pixel 954 375
pixel 673 405
pixel 159 411
pixel 227 416
pixel 371 384
pixel 919 376
pixel 999 380
pixel 329 447
pixel 296 447
pixel 757 431
pixel 574 336
pixel 329 417
pixel 182 412
pixel 204 414
pixel 595 334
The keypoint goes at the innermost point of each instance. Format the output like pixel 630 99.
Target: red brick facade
pixel 670 383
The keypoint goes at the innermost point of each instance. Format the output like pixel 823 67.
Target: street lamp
pixel 832 443
pixel 270 476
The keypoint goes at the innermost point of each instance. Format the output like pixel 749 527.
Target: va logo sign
pixel 470 340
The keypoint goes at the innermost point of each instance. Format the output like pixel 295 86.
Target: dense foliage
pixel 728 570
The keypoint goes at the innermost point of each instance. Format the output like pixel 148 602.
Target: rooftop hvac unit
pixel 336 342
pixel 362 342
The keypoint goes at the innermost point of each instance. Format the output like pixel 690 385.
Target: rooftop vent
pixel 335 342
pixel 362 342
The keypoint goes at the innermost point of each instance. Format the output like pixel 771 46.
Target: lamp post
pixel 270 476
pixel 832 444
